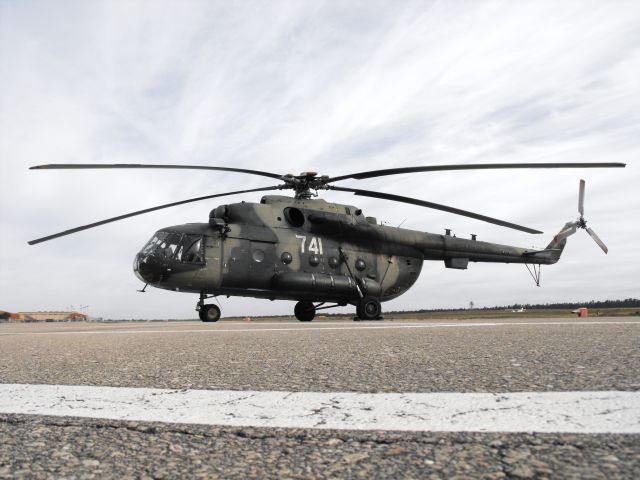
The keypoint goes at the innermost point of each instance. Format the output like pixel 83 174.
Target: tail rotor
pixel 571 228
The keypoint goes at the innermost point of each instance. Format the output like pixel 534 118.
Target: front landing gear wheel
pixel 209 313
pixel 368 308
pixel 304 311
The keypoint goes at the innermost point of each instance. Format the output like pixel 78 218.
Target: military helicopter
pixel 314 252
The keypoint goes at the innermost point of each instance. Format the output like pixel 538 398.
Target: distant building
pixel 43 316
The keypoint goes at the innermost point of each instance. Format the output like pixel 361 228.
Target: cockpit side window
pixel 190 249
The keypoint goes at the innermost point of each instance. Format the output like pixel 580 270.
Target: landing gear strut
pixel 304 311
pixel 368 308
pixel 207 313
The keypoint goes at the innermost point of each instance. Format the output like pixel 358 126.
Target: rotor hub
pixel 582 223
pixel 305 185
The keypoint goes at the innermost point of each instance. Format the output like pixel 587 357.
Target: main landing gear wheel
pixel 304 311
pixel 209 313
pixel 368 308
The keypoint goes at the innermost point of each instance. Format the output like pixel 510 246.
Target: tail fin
pixel 557 244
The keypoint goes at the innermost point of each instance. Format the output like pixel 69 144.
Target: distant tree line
pixel 626 303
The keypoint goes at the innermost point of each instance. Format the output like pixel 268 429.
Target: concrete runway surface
pixel 383 364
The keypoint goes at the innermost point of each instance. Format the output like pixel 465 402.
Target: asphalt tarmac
pixel 500 356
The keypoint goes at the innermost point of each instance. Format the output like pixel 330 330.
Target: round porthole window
pixel 360 265
pixel 334 262
pixel 314 260
pixel 286 258
pixel 258 255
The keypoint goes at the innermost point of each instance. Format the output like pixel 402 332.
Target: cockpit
pixel 168 254
pixel 175 247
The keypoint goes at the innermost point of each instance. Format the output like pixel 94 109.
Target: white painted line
pixel 560 412
pixel 306 328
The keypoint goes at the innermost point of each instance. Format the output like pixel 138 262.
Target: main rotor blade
pixel 477 166
pixel 597 240
pixel 146 210
pixel 581 198
pixel 436 206
pixel 77 166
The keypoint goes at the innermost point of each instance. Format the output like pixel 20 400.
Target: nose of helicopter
pixel 148 268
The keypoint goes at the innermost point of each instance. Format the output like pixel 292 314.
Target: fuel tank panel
pixel 342 285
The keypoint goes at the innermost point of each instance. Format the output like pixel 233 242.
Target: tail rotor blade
pixel 597 240
pixel 581 199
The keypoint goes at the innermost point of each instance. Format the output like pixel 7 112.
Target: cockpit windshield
pixel 175 247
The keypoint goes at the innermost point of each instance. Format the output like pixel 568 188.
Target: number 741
pixel 315 244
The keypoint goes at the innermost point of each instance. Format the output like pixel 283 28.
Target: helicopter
pixel 317 253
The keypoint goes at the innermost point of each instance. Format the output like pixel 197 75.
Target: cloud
pixel 329 87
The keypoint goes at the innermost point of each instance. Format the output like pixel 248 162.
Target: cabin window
pixel 258 255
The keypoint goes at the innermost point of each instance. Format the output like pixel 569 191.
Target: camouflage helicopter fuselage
pixel 312 251
pixel 307 250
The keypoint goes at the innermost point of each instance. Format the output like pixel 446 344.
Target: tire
pixel 210 313
pixel 304 311
pixel 368 308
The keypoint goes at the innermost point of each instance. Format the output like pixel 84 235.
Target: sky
pixel 333 87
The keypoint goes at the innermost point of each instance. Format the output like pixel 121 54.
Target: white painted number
pixel 315 244
pixel 303 238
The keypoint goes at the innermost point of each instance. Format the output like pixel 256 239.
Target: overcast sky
pixel 335 87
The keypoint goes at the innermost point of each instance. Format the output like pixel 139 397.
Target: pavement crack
pixel 612 410
pixel 236 400
pixel 411 415
pixel 482 410
pixel 170 392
